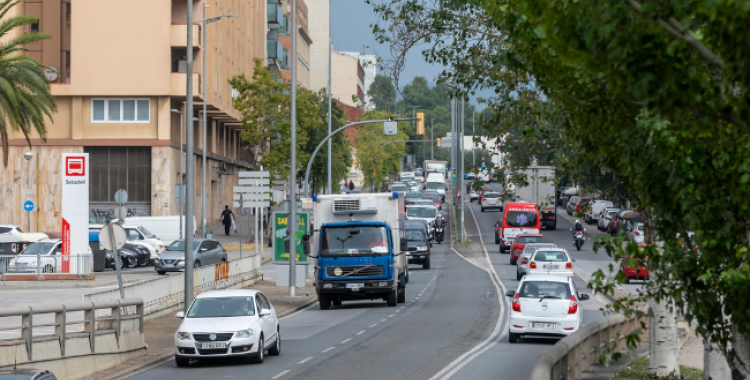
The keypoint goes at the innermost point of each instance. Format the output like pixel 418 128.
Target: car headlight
pixel 183 336
pixel 422 248
pixel 244 334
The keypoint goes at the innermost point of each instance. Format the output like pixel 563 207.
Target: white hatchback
pixel 551 261
pixel 544 306
pixel 238 323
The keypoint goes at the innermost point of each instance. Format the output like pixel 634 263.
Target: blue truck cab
pixel 359 249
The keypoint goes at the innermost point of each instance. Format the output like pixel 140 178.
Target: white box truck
pixel 540 191
pixel 360 251
pixel 435 166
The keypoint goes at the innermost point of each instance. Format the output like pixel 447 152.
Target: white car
pixel 412 186
pixel 473 196
pixel 239 323
pixel 136 234
pixel 551 261
pixel 10 229
pixel 50 259
pixel 595 209
pixel 426 213
pixel 637 235
pixel 522 264
pixel 491 200
pixel 544 306
pixel 607 215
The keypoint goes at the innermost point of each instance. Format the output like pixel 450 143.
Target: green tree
pixel 375 161
pixel 341 158
pixel 382 93
pixel 25 98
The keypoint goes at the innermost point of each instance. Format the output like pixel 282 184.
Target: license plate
pixel 354 286
pixel 168 265
pixel 543 326
pixel 555 267
pixel 208 346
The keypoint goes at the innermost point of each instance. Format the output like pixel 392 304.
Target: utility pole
pixel 414 114
pixel 460 174
pixel 292 222
pixel 182 171
pixel 205 133
pixel 330 42
pixel 432 144
pixel 190 170
pixel 473 145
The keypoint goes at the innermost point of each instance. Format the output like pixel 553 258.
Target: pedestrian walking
pixel 226 219
pixel 351 185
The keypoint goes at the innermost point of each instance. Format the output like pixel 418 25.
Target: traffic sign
pixel 121 197
pixel 28 206
pixel 105 237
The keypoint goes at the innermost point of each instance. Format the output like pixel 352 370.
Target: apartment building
pixel 320 31
pixel 121 68
pixel 369 64
pixel 280 41
pixel 347 80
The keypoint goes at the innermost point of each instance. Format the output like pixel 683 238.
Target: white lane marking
pixel 297 312
pixel 307 359
pixel 383 320
pixel 282 373
pixel 448 371
pixel 346 340
pixel 327 349
pixel 392 315
pixel 361 332
pixel 398 311
pixel 373 325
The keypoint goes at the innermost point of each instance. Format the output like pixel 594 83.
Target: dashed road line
pixel 361 332
pixel 346 340
pixel 282 373
pixel 327 349
pixel 307 359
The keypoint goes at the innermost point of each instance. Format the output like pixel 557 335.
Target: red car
pixel 639 273
pixel 583 201
pixel 436 200
pixel 481 192
pixel 520 243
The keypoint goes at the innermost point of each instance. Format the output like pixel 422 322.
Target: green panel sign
pixel 281 241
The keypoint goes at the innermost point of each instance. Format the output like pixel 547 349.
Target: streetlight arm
pixel 405 141
pixel 315 152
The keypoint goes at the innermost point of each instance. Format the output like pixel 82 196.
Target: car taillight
pixel 516 303
pixel 499 228
pixel 573 308
pixel 637 233
pixel 525 260
pixel 569 266
pixel 532 265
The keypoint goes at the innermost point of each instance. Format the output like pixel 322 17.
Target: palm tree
pixel 25 97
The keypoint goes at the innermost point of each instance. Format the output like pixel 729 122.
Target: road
pixel 452 326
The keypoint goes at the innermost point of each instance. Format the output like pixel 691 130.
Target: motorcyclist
pixel 578 227
pixel 439 224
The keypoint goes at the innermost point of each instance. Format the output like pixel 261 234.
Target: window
pixel 34 28
pixel 284 30
pixel 67 58
pixel 114 168
pixel 67 11
pixel 119 110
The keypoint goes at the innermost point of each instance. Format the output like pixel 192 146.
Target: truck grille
pixel 357 271
pixel 344 205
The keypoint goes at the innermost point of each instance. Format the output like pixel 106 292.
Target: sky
pixel 351 31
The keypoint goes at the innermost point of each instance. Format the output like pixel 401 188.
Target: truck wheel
pixel 392 298
pixel 325 301
pixel 402 295
pixel 426 263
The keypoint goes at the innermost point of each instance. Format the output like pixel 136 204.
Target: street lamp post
pixel 292 222
pixel 206 21
pixel 182 170
pixel 28 156
pixel 190 167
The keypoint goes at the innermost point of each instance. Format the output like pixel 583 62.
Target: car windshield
pixel 398 188
pixel 38 248
pixel 435 186
pixel 521 219
pixel 552 256
pixel 180 245
pixel 421 212
pixel 145 232
pixel 530 239
pixel 354 241
pixel 414 195
pixel 544 289
pixel 533 247
pixel 222 307
pixel 414 235
pixel 7 230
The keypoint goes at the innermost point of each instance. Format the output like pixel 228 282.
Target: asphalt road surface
pixel 452 326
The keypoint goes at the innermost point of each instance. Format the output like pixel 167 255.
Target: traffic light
pixel 438 141
pixel 454 172
pixel 420 123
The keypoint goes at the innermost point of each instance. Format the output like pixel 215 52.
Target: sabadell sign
pixel 75 206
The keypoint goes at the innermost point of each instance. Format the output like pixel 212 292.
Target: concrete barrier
pixel 102 344
pixel 165 296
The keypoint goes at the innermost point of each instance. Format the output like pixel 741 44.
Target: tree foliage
pixel 382 92
pixel 376 161
pixel 25 98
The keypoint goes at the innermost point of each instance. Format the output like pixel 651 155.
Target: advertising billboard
pixel 75 206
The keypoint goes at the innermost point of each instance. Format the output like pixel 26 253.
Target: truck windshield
pixel 354 241
pixel 435 186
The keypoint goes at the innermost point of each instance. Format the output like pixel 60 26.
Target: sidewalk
pixel 244 236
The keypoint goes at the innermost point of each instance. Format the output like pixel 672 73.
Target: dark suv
pixel 417 243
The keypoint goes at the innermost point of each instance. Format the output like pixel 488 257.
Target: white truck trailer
pixel 540 191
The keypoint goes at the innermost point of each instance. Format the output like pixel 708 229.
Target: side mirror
pixel 180 314
pixel 265 312
pixel 583 297
pixel 510 293
pixel 403 244
pixel 306 244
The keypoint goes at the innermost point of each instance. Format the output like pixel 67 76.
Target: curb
pixel 243 247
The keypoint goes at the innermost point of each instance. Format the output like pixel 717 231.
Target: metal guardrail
pixel 41 264
pixel 119 310
pixel 572 355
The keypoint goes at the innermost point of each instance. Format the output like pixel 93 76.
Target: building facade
pixel 284 36
pixel 370 66
pixel 121 73
pixel 320 32
pixel 347 80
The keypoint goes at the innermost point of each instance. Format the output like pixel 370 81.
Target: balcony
pixel 275 15
pixel 275 51
pixel 177 85
pixel 179 36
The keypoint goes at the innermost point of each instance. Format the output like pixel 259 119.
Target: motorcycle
pixel 439 231
pixel 579 239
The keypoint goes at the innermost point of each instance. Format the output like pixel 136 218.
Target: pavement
pixel 244 237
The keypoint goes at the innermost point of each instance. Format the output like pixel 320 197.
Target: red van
pixel 518 218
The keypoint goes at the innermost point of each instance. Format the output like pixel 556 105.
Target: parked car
pixel 591 216
pixel 10 229
pixel 636 235
pixel 238 323
pixel 571 204
pixel 417 243
pixel 604 217
pixel 522 263
pixel 580 206
pixel 412 197
pixel 133 255
pixel 637 272
pixel 138 234
pixel 491 200
pixel 544 306
pixel 551 261
pixel 622 222
pixel 520 242
pixel 164 228
pixel 50 259
pixel 205 251
pixel 26 373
